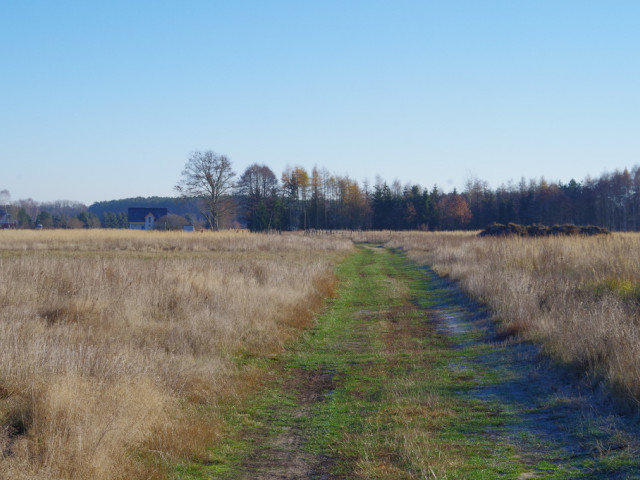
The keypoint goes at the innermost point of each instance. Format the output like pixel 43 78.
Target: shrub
pixel 537 230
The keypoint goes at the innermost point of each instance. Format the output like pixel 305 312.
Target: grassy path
pixel 399 379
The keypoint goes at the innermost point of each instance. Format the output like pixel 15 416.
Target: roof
pixel 138 214
pixel 5 218
pixel 7 222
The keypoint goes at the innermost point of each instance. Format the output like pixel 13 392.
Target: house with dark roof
pixel 5 220
pixel 141 218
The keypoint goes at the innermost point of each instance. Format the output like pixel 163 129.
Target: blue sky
pixel 105 99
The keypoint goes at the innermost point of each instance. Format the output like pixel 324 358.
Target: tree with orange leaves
pixel 454 210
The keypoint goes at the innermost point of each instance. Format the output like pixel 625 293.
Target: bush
pixel 537 230
pixel 171 222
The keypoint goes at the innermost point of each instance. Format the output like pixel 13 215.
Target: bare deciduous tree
pixel 258 189
pixel 5 198
pixel 209 177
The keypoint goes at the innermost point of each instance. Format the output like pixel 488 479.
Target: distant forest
pixel 318 200
pixel 300 199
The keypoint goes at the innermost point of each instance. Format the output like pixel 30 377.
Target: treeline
pixel 300 199
pixel 108 214
pixel 176 206
pixel 318 200
pixel 611 201
pixel 59 214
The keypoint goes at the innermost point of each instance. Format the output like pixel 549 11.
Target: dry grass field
pixel 577 296
pixel 117 346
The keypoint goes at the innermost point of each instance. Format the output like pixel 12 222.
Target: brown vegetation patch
pixel 509 330
pixel 118 347
pixel 311 386
pixel 403 327
pixel 576 295
pixel 537 230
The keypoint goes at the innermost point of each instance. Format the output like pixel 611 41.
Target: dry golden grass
pixel 154 241
pixel 578 296
pixel 117 346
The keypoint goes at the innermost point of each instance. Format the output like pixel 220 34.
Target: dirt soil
pixel 281 456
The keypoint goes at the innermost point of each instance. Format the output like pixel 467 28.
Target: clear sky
pixel 102 100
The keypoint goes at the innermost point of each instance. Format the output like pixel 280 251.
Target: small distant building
pixel 188 228
pixel 6 221
pixel 144 218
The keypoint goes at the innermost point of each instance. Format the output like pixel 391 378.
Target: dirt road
pixel 403 378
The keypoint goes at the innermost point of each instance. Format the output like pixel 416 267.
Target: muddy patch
pixel 312 386
pixel 282 455
pixel 452 322
pixel 283 458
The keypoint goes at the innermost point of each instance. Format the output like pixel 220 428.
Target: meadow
pixel 122 351
pixel 577 296
pixel 119 348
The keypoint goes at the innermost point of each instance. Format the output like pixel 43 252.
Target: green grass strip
pixel 375 391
